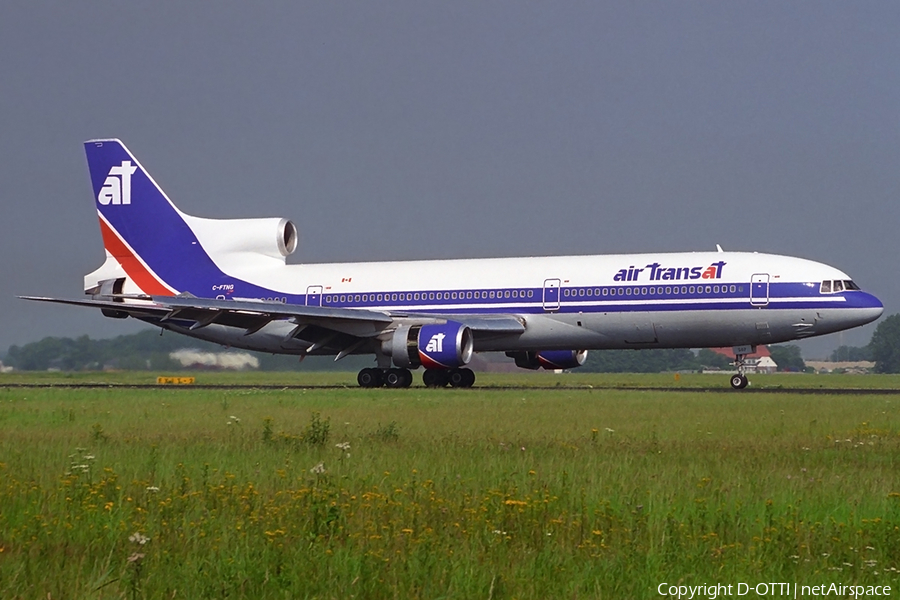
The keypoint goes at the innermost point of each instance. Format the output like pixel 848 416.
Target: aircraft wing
pixel 252 315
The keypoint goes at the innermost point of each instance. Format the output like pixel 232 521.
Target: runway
pixel 677 390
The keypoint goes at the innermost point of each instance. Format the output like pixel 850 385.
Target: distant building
pixel 758 362
pixel 4 368
pixel 195 359
pixel 827 366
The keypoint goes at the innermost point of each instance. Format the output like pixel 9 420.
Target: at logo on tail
pixel 117 187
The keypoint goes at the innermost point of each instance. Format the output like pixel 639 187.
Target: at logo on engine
pixel 436 343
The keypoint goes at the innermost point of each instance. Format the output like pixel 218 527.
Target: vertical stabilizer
pixel 142 229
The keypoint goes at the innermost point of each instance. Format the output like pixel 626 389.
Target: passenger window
pixel 668 290
pixel 491 294
pixel 691 290
pixel 628 291
pixel 709 289
pixel 826 287
pixel 674 289
pixel 605 291
pixel 530 293
pixel 731 289
pixel 715 289
pixel 469 295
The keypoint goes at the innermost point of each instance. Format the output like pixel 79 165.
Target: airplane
pixel 227 281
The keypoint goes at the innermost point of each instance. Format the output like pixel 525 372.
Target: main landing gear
pixel 455 377
pixel 392 378
pixel 739 380
pixel 402 378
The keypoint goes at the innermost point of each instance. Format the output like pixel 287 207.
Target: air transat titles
pixel 658 272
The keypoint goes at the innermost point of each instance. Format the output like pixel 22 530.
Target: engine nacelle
pixel 433 346
pixel 549 359
pixel 273 237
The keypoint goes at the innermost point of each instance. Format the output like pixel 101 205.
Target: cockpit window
pixel 833 287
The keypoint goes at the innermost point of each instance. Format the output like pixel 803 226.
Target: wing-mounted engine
pixel 549 359
pixel 433 345
pixel 272 237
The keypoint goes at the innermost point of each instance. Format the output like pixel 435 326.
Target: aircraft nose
pixel 868 307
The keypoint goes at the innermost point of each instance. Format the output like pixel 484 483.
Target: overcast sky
pixel 408 130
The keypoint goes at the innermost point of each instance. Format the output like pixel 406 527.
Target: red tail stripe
pixel 144 279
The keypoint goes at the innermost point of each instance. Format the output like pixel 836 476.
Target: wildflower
pixel 88 457
pixel 608 430
pixel 135 557
pixel 319 469
pixel 152 488
pixel 343 446
pixel 235 419
pixel 138 538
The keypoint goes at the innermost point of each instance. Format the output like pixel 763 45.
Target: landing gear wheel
pixel 369 378
pixel 435 377
pixel 398 378
pixel 462 378
pixel 739 381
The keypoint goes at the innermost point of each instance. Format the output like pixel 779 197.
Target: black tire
pixel 462 378
pixel 407 377
pixel 394 378
pixel 435 378
pixel 369 378
pixel 457 378
pixel 739 382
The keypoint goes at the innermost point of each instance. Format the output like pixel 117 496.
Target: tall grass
pixel 574 493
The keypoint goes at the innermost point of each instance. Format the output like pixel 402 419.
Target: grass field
pixel 575 492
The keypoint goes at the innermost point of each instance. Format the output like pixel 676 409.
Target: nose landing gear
pixel 739 380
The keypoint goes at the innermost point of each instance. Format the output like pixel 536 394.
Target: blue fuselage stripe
pixel 590 299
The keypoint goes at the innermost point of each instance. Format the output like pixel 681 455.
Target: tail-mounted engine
pixel 549 359
pixel 272 237
pixel 433 346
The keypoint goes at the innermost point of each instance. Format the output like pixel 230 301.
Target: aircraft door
pixel 314 295
pixel 551 294
pixel 759 289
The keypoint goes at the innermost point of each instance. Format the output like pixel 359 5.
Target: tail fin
pixel 142 229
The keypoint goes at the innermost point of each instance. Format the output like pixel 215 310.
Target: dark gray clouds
pixel 436 130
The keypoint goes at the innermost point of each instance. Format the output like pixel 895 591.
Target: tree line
pixel 147 350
